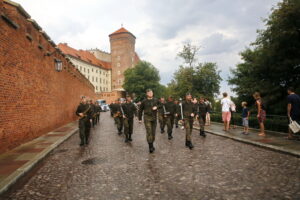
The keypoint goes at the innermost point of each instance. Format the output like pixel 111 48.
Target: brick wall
pixel 34 98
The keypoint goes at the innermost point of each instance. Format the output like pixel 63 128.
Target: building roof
pixel 121 30
pixel 84 55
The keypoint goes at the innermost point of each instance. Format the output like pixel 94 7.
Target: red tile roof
pixel 84 55
pixel 121 30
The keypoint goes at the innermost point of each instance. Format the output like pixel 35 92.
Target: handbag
pixel 294 126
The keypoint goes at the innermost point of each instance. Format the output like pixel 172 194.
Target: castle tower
pixel 122 47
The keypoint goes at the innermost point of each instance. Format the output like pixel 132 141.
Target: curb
pixel 262 145
pixel 20 172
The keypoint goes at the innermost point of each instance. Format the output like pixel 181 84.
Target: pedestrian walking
pixel 148 108
pixel 85 113
pixel 129 110
pixel 293 108
pixel 226 114
pixel 261 112
pixel 245 117
pixel 202 109
pixel 188 112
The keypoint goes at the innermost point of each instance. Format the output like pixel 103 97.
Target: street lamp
pixel 58 65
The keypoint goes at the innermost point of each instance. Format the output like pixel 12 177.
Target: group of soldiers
pixel 168 112
pixel 89 116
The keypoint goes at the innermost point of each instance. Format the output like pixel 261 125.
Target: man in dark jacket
pixel 169 114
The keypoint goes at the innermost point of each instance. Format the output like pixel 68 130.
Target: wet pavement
pixel 217 168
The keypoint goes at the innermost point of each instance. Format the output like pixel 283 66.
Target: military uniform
pixel 202 109
pixel 169 115
pixel 118 115
pixel 113 109
pixel 98 110
pixel 84 122
pixel 150 119
pixel 94 112
pixel 188 108
pixel 177 118
pixel 161 116
pixel 129 110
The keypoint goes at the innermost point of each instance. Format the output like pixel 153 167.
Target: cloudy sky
pixel 222 28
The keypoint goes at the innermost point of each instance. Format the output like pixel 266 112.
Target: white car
pixel 104 106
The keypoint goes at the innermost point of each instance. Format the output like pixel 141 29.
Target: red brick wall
pixel 34 98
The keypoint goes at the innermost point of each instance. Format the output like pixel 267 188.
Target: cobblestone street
pixel 217 168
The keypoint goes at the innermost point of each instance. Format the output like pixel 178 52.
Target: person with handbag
pixel 293 109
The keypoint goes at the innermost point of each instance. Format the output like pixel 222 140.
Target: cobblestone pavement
pixel 217 168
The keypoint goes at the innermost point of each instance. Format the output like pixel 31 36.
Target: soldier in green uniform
pixel 118 115
pixel 98 110
pixel 189 112
pixel 177 107
pixel 129 111
pixel 202 109
pixel 114 108
pixel 169 115
pixel 161 115
pixel 85 113
pixel 93 108
pixel 149 108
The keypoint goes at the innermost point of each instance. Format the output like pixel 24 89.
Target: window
pixel 100 80
pixel 96 79
pixel 80 68
pixel 92 70
pixel 96 87
pixel 84 69
pixel 100 72
pixel 92 78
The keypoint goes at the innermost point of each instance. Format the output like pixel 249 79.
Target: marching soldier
pixel 94 112
pixel 188 113
pixel 114 108
pixel 202 109
pixel 85 113
pixel 161 116
pixel 177 107
pixel 129 110
pixel 98 110
pixel 118 116
pixel 169 112
pixel 111 108
pixel 149 108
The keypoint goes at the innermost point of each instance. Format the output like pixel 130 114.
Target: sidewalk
pixel 15 163
pixel 273 140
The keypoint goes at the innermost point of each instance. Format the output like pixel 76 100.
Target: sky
pixel 222 28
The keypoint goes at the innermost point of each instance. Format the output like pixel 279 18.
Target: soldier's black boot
pixel 126 139
pixel 119 132
pixel 189 145
pixel 162 131
pixel 186 143
pixel 151 148
pixel 130 139
pixel 170 137
pixel 202 133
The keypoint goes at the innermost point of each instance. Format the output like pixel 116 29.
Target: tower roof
pixel 121 30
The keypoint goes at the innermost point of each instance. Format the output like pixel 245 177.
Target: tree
pixel 143 76
pixel 201 79
pixel 273 62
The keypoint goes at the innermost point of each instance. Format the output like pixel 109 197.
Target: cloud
pixel 223 28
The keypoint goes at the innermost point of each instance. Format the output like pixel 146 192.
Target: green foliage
pixel 202 79
pixel 273 62
pixel 142 77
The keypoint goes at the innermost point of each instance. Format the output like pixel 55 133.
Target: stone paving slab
pixel 273 140
pixel 19 161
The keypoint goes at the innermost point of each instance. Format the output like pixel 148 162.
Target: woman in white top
pixel 226 114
